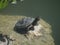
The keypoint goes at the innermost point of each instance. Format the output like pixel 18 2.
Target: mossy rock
pixel 8 22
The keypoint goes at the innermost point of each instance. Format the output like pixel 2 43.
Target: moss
pixel 7 24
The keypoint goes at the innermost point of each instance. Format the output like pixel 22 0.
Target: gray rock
pixel 5 40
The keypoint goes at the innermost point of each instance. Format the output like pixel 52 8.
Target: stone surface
pixel 7 24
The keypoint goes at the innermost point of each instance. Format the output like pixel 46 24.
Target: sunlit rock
pixel 5 40
pixel 7 23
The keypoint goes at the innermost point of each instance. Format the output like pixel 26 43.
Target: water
pixel 48 10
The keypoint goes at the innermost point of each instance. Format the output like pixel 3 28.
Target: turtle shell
pixel 21 25
pixel 24 22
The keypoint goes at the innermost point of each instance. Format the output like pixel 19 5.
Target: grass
pixel 7 24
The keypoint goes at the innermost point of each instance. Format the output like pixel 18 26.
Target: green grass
pixel 7 24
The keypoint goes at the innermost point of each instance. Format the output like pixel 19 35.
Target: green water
pixel 48 10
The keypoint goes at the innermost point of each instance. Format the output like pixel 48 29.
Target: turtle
pixel 24 25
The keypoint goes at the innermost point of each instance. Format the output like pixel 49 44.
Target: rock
pixel 5 40
pixel 7 23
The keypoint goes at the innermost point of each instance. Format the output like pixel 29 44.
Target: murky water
pixel 48 10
